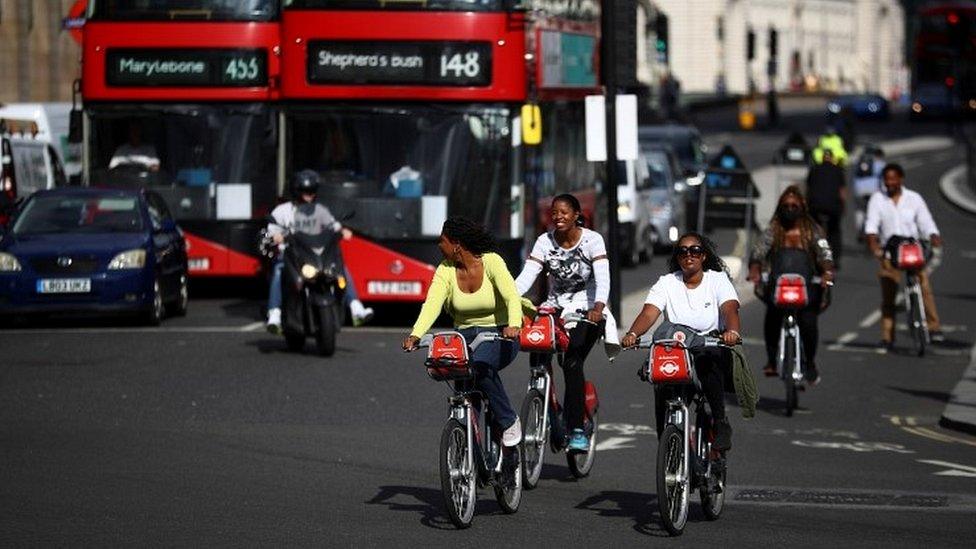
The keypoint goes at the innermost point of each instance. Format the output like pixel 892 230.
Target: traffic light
pixel 750 45
pixel 661 30
pixel 773 42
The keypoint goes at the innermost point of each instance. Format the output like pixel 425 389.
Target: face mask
pixel 788 216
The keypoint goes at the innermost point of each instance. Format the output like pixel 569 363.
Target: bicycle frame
pixel 478 436
pixel 790 328
pixel 914 287
pixel 678 415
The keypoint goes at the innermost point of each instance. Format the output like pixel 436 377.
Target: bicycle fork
pixel 679 416
pixel 913 287
pixel 790 329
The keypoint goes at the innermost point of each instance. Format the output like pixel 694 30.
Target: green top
pixel 495 303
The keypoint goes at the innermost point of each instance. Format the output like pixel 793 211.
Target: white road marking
pixel 954 469
pixel 628 429
pixel 614 443
pixel 968 254
pixel 252 327
pixel 842 340
pixel 871 319
pixel 854 446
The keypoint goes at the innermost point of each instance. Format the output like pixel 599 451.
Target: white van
pixel 27 165
pixel 51 125
pixel 633 194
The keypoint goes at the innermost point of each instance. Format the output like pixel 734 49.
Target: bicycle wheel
pixel 789 365
pixel 534 440
pixel 916 324
pixel 508 483
pixel 712 492
pixel 457 474
pixel 581 463
pixel 672 481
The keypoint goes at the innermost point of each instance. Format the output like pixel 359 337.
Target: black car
pixel 684 140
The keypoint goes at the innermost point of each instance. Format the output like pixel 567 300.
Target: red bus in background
pixel 412 112
pixel 944 64
pixel 180 96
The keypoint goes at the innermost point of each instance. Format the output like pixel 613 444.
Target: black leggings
pixel 581 340
pixel 710 366
pixel 806 318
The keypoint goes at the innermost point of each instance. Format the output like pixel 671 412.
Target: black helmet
pixel 305 181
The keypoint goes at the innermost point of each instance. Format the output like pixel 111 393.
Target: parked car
pixel 684 140
pixel 636 235
pixel 865 106
pixel 665 200
pixel 93 250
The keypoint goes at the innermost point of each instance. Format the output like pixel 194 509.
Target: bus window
pixel 162 10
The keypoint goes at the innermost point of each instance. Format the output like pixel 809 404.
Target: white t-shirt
pixel 697 308
pixel 144 154
pixel 909 218
pixel 571 282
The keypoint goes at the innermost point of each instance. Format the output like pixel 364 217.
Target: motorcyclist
pixel 303 214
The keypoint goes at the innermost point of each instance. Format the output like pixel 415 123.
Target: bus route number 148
pixel 457 66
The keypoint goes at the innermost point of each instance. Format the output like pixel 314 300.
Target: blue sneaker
pixel 578 441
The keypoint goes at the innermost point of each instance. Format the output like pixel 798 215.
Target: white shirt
pixel 309 218
pixel 572 284
pixel 909 218
pixel 696 308
pixel 144 154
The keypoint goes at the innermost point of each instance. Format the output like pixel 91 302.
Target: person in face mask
pixel 304 215
pixel 792 244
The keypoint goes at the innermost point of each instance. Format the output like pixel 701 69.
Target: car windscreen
pixel 657 167
pixel 79 214
pixel 684 145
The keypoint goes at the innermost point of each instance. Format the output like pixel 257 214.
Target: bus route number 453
pixel 457 66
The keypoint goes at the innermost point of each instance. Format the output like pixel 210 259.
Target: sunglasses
pixel 693 251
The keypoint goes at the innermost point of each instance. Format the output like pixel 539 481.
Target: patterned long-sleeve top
pixel 819 250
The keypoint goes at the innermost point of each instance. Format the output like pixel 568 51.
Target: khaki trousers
pixel 890 278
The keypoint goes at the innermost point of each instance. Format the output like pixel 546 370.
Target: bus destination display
pixel 172 67
pixel 404 63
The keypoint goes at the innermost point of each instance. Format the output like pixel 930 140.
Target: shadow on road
pixel 934 395
pixel 429 503
pixel 641 508
pixel 774 406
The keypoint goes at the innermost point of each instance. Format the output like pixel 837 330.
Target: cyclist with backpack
pixel 867 181
pixel 792 244
pixel 575 259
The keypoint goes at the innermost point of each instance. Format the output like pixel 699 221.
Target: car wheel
pixel 182 302
pixel 156 309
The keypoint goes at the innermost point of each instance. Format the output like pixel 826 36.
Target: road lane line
pixel 842 340
pixel 613 443
pixel 871 319
pixel 252 326
pixel 949 464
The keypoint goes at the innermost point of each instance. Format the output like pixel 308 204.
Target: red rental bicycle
pixel 471 453
pixel 542 419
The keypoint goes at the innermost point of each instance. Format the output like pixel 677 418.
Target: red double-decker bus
pixel 412 111
pixel 180 95
pixel 944 64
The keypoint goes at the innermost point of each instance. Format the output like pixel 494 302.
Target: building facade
pixel 38 60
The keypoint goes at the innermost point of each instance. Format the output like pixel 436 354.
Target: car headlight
pixel 8 263
pixel 917 107
pixel 130 259
pixel 833 107
pixel 309 271
pixel 623 208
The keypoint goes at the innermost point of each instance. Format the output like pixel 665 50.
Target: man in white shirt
pixel 900 212
pixel 135 152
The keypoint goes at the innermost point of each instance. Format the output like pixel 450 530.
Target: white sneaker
pixel 513 435
pixel 274 321
pixel 360 315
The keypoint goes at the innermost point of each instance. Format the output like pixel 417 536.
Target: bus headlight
pixel 309 271
pixel 130 259
pixel 8 263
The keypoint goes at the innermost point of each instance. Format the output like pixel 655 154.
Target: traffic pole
pixel 607 70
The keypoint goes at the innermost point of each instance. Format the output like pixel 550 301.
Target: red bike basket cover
pixel 591 401
pixel 447 357
pixel 669 364
pixel 791 291
pixel 545 334
pixel 910 256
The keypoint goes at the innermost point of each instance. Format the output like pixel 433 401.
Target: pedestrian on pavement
pixel 827 195
pixel 792 244
pixel 895 214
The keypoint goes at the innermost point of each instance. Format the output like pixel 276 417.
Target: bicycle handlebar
pixel 647 343
pixel 426 339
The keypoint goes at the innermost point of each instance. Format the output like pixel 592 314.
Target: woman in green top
pixel 474 286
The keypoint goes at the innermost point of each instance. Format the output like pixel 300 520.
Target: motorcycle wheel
pixel 325 335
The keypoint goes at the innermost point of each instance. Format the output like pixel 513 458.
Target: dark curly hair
pixel 713 262
pixel 573 203
pixel 472 236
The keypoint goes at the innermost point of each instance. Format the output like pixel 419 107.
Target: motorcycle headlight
pixel 309 271
pixel 8 263
pixel 342 281
pixel 130 259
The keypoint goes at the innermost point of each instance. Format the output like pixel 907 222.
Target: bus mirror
pixel 74 126
pixel 531 124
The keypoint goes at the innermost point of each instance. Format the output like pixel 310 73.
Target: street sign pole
pixel 607 68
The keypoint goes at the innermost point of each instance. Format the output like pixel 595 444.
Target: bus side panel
pixel 380 274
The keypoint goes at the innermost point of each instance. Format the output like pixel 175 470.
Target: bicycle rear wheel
pixel 916 323
pixel 673 486
pixel 458 476
pixel 508 483
pixel 788 367
pixel 581 463
pixel 534 441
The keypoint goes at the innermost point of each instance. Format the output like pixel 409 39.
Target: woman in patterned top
pixel 579 280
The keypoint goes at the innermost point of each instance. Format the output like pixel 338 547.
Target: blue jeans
pixel 490 358
pixel 274 292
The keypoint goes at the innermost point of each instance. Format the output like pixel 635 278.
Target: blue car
pixel 91 250
pixel 865 106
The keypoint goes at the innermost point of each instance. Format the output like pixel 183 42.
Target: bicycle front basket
pixel 447 357
pixel 670 364
pixel 910 256
pixel 791 291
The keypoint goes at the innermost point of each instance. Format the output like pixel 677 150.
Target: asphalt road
pixel 207 432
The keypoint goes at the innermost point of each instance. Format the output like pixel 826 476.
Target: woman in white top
pixel 699 294
pixel 579 280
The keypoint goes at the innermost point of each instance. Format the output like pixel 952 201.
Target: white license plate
pixel 64 286
pixel 393 287
pixel 198 264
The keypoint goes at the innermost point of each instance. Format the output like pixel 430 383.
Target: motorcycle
pixel 312 289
